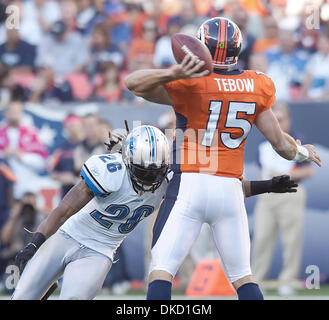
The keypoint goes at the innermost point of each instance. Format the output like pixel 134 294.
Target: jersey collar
pixel 230 72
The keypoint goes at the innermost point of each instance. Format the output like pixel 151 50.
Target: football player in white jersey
pixel 115 193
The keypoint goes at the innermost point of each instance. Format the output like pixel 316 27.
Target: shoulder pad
pixel 104 173
pixel 267 84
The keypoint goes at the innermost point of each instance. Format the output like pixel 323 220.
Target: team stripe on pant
pixel 166 207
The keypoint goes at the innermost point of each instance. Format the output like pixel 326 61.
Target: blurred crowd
pixel 24 159
pixel 80 50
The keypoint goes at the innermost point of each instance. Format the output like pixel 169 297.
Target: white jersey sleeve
pixel 103 173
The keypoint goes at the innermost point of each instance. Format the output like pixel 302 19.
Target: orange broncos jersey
pixel 215 114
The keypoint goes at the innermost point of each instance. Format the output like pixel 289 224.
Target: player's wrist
pixel 38 239
pixel 302 154
pixel 259 187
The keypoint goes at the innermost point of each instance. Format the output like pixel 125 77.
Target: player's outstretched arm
pixel 73 201
pixel 283 143
pixel 278 184
pixel 149 83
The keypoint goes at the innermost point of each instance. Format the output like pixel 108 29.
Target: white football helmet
pixel 146 155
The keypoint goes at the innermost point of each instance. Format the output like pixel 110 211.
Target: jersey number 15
pixel 232 121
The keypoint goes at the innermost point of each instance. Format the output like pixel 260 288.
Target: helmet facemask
pixel 147 179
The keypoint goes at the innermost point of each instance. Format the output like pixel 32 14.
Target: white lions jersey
pixel 104 222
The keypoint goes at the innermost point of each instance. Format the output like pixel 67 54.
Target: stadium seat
pixel 80 85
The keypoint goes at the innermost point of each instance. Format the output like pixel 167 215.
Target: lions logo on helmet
pixel 146 156
pixel 223 39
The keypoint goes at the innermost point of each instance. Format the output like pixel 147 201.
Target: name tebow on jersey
pixel 116 208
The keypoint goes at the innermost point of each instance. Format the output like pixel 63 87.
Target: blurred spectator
pixel 6 84
pixel 62 164
pixel 279 212
pixel 37 16
pixel 59 50
pixel 240 17
pixel 46 86
pixel 316 81
pixel 86 13
pixel 69 11
pixel 167 120
pixel 167 124
pixel 189 15
pixel 102 50
pixel 16 53
pixel 307 36
pixel 258 62
pixel 286 65
pixel 92 144
pixel 90 16
pixel 21 147
pixel 7 178
pixel 13 237
pixel 107 84
pixel 115 19
pixel 106 130
pixel 9 90
pixel 163 55
pixel 135 17
pixel 270 38
pixel 3 18
pixel 142 49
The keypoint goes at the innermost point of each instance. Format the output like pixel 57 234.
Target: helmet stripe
pixel 225 43
pixel 152 142
pixel 217 45
pixel 155 146
pixel 221 39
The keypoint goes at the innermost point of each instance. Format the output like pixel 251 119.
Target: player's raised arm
pixel 149 83
pixel 283 143
pixel 73 201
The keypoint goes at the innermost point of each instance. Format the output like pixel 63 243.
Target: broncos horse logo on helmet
pixel 223 39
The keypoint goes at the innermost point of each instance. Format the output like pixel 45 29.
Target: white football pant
pixel 191 200
pixel 83 269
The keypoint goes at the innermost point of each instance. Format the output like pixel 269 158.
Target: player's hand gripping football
pixel 313 156
pixel 283 184
pixel 189 68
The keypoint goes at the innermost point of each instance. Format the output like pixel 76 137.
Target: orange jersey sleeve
pixel 216 114
pixel 267 88
pixel 178 89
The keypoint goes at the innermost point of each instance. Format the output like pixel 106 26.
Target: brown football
pixel 183 44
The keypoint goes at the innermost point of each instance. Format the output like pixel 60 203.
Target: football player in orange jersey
pixel 215 112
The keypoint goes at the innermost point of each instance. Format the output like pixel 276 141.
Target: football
pixel 183 44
